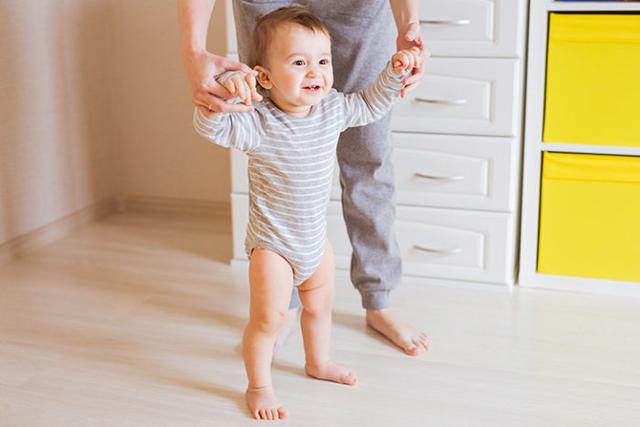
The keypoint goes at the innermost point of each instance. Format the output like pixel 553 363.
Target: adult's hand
pixel 410 36
pixel 207 94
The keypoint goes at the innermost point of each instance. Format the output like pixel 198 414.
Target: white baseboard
pixel 56 230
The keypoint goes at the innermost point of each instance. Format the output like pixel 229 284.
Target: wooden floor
pixel 136 321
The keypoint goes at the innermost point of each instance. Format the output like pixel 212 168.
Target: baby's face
pixel 300 65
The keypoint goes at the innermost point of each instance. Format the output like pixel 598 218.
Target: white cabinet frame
pixel 534 149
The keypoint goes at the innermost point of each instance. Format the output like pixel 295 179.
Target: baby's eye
pixel 299 62
pixel 324 62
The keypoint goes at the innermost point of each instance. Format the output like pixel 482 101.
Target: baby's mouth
pixel 312 88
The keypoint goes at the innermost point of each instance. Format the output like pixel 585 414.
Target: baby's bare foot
pixel 405 336
pixel 332 371
pixel 263 404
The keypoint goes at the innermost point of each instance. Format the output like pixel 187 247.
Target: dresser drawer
pixel 473 27
pixel 445 243
pixel 589 216
pixel 463 96
pixel 593 79
pixel 440 171
pixel 454 244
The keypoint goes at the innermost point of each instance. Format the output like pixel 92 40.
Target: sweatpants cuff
pixel 294 302
pixel 375 300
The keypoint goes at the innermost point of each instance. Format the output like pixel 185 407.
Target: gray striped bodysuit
pixel 291 163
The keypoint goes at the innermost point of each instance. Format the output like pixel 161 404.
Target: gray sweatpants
pixel 363 38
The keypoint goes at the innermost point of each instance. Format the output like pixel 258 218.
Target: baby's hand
pixel 241 86
pixel 406 60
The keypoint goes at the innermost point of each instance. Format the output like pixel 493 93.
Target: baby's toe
pixel 274 414
pixel 282 414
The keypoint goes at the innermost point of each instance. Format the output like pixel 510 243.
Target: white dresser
pixel 457 142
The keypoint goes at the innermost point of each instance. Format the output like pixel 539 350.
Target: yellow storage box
pixel 590 216
pixel 593 79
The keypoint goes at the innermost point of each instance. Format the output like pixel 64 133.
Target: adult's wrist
pixel 192 50
pixel 403 27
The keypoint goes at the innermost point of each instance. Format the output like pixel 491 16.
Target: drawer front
pixel 463 96
pixel 473 27
pixel 593 82
pixel 452 244
pixel 439 170
pixel 589 216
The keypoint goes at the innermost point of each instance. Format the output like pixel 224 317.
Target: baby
pixel 290 139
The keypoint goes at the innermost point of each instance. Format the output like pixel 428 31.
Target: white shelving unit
pixel 534 147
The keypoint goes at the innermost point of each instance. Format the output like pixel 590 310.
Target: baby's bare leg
pixel 316 294
pixel 271 281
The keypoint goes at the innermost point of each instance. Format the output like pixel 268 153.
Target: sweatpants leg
pixel 362 44
pixel 367 181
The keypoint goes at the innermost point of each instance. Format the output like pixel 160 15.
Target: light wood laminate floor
pixel 136 321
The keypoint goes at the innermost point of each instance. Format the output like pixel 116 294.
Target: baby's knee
pixel 318 304
pixel 268 322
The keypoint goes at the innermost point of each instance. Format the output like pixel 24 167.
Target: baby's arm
pixel 374 102
pixel 233 130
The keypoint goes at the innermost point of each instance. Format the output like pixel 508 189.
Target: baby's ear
pixel 264 77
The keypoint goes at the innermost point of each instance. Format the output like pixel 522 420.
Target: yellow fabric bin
pixel 590 216
pixel 593 79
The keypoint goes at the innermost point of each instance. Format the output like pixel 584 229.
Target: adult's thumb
pixel 412 33
pixel 236 66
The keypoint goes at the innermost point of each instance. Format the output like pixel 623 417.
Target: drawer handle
pixel 439 177
pixel 446 22
pixel 438 251
pixel 443 101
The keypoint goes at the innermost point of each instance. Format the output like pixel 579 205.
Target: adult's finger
pixel 414 78
pixel 211 86
pixel 219 105
pixel 231 65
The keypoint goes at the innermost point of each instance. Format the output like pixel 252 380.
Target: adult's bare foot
pixel 263 404
pixel 409 339
pixel 293 316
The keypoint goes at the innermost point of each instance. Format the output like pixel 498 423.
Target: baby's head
pixel 291 51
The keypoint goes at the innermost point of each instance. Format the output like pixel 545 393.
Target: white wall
pixel 55 132
pixel 157 151
pixel 94 105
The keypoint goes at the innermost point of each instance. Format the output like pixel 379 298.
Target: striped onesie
pixel 291 163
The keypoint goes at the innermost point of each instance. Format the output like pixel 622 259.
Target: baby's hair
pixel 267 25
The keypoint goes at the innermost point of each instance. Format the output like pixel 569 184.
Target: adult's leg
pixel 271 280
pixel 363 42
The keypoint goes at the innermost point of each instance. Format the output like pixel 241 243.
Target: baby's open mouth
pixel 312 88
